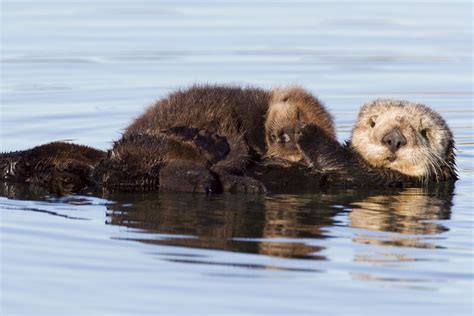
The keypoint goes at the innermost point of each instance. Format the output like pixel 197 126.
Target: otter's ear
pixel 301 117
pixel 425 133
pixel 373 120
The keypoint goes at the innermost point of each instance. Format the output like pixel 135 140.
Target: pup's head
pixel 290 108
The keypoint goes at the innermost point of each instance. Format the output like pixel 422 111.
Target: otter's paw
pixel 241 184
pixel 188 176
pixel 307 134
pixel 212 145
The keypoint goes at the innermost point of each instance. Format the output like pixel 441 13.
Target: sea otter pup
pixel 204 138
pixel 393 143
pixel 289 108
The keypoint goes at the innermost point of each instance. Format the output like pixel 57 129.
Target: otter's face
pixel 282 119
pixel 10 167
pixel 406 137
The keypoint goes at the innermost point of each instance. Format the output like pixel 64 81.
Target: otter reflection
pixel 288 226
pixel 270 225
pixel 412 214
pixel 276 225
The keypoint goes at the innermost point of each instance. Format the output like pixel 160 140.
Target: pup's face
pixel 282 119
pixel 406 137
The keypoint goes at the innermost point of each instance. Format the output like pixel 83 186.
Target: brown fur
pixel 290 107
pixel 235 113
pixel 212 132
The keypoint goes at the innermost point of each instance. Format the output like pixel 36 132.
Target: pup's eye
pixel 424 133
pixel 285 138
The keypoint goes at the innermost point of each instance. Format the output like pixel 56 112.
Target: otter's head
pixel 407 137
pixel 289 108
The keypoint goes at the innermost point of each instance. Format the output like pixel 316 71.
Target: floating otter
pixel 206 150
pixel 290 107
pixel 393 143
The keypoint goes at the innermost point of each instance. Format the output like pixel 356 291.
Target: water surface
pixel 82 70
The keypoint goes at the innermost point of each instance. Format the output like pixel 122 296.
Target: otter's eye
pixel 272 137
pixel 424 133
pixel 285 138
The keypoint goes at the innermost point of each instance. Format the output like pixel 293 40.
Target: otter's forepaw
pixel 307 133
pixel 241 184
pixel 212 145
pixel 188 176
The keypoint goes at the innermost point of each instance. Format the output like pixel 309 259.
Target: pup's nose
pixel 284 138
pixel 394 140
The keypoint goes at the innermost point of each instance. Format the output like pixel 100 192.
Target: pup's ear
pixel 301 117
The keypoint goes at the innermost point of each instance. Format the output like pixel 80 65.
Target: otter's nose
pixel 394 140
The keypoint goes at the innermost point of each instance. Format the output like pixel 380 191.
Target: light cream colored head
pixel 289 108
pixel 407 137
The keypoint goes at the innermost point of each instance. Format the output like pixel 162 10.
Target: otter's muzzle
pixel 394 140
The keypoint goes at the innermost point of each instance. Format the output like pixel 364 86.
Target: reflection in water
pixel 270 225
pixel 287 226
pixel 412 214
pixel 22 191
pixel 411 218
pixel 282 225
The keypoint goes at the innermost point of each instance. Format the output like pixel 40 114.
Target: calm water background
pixel 81 70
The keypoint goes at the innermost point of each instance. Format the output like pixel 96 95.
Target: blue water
pixel 82 70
